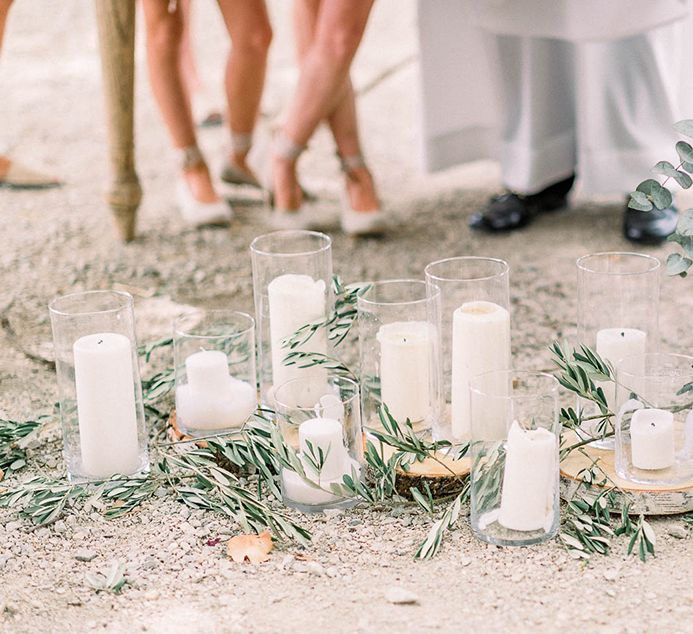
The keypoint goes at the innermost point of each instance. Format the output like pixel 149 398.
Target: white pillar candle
pixel 529 480
pixel 324 435
pixel 106 409
pixel 652 439
pixel 614 344
pixel 480 343
pixel 294 301
pixel 405 356
pixel 327 435
pixel 212 399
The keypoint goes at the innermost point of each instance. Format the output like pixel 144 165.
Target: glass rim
pixel 362 299
pixel 655 262
pixel 247 318
pixel 334 378
pixel 504 268
pixel 127 301
pixel 620 371
pixel 550 390
pixel 322 237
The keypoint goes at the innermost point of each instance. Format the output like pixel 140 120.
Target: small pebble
pixel 401 596
pixel 678 532
pixel 85 555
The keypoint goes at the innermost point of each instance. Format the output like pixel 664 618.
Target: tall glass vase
pixel 292 285
pixel 618 315
pixel 399 330
pixel 100 392
pixel 475 332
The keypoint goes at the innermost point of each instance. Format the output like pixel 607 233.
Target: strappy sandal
pixel 354 222
pixel 232 174
pixel 194 212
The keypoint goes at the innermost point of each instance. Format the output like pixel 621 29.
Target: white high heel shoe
pixel 194 212
pixel 354 222
pixel 307 216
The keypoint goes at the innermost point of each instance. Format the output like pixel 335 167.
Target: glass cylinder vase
pixel 475 332
pixel 216 380
pixel 292 286
pixel 321 421
pixel 515 464
pixel 654 425
pixel 100 393
pixel 618 315
pixel 399 341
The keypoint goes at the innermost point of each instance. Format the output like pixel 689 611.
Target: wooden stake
pixel 116 25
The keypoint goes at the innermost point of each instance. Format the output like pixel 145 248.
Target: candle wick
pixel 99 342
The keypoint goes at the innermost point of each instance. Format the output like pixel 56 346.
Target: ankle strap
pixel 241 142
pixel 287 148
pixel 351 162
pixel 191 157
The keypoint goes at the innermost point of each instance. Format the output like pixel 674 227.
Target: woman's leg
pixel 342 120
pixel 337 32
pixel 4 10
pixel 248 25
pixel 164 36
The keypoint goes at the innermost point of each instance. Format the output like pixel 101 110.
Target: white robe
pixel 585 93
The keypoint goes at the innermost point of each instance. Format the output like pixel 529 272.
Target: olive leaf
pixel 665 168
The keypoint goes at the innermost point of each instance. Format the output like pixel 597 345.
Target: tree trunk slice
pixel 439 478
pixel 645 499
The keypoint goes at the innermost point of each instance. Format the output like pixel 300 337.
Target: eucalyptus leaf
pixel 685 127
pixel 639 201
pixel 684 226
pixel 655 192
pixel 685 151
pixel 678 264
pixel 686 242
pixel 667 169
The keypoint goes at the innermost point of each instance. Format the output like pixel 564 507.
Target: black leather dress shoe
pixel 649 227
pixel 511 211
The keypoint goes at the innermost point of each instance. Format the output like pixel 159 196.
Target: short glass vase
pixel 515 460
pixel 326 439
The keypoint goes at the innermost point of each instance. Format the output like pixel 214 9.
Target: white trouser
pixel 602 109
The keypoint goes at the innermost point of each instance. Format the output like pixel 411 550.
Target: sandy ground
pixel 60 241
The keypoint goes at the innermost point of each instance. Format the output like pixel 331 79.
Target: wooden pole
pixel 116 24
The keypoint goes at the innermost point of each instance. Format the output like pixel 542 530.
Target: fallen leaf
pixel 254 548
pixel 2 474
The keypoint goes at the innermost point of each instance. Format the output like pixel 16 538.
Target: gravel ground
pixel 62 241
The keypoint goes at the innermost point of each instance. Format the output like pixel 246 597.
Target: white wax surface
pixel 325 434
pixel 652 439
pixel 105 385
pixel 207 371
pixel 480 343
pixel 295 488
pixel 405 349
pixel 530 479
pixel 294 301
pixel 228 408
pixel 614 344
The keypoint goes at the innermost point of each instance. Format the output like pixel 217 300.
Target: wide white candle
pixel 322 435
pixel 529 480
pixel 614 344
pixel 405 357
pixel 480 343
pixel 294 301
pixel 212 398
pixel 652 439
pixel 106 409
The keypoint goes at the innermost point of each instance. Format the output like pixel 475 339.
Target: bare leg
pixel 4 10
pixel 328 35
pixel 164 37
pixel 251 34
pixel 187 55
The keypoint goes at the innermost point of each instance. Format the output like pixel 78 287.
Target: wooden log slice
pixel 443 479
pixel 645 499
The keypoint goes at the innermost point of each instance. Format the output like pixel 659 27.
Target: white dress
pixel 552 87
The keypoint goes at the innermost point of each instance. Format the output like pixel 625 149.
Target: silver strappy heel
pixel 359 223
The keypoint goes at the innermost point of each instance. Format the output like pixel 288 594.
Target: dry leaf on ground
pixel 254 548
